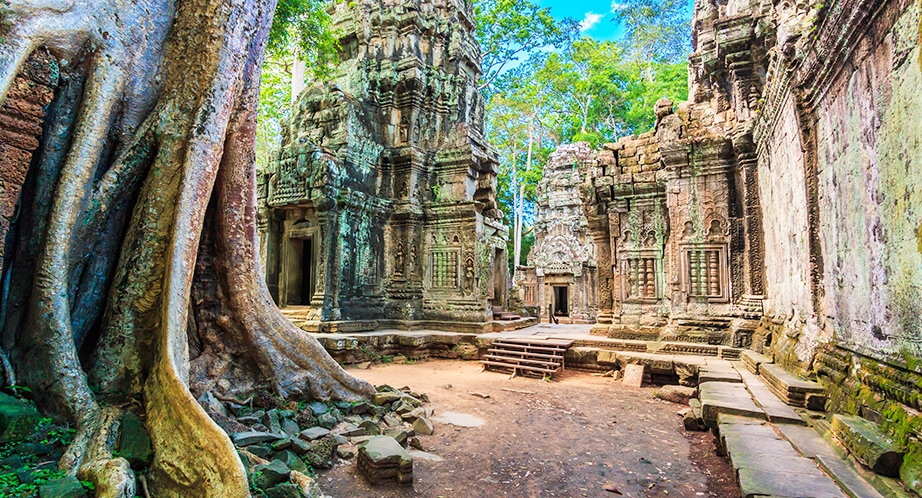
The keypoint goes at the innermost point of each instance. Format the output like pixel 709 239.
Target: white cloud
pixel 589 21
pixel 617 6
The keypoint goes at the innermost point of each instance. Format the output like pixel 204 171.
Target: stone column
pixel 329 262
pixel 606 277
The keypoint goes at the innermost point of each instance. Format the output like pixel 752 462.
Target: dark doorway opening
pixel 307 272
pixel 561 300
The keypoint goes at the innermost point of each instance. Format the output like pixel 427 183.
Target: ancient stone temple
pixel 560 278
pixel 781 208
pixel 382 207
pixel 677 229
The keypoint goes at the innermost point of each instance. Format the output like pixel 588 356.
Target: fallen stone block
pixel 634 375
pixel 382 459
pixel 791 389
pixel 753 360
pixel 423 426
pixel 677 394
pixel 868 444
pixel 254 437
pixel 314 433
pixel 65 487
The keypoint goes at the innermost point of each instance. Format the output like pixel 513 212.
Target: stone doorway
pixel 302 271
pixel 561 300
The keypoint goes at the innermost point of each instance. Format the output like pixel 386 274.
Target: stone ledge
pixel 753 360
pixel 791 389
pixel 724 398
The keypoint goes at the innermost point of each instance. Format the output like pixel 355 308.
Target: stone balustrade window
pixel 705 272
pixel 640 272
pixel 445 269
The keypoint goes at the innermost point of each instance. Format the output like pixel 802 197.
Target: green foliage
pixel 510 31
pixel 303 28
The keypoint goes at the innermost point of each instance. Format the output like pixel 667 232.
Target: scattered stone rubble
pixel 282 444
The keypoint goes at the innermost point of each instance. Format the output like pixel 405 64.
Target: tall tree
pixel 519 124
pixel 656 31
pixel 512 31
pixel 143 194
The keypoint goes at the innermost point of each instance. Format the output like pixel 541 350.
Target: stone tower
pixel 382 207
pixel 561 270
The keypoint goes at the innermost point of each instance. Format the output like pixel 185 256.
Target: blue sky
pixel 596 15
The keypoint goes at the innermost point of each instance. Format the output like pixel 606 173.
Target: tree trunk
pixel 146 193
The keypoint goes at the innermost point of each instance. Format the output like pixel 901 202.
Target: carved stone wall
pixel 21 118
pixel 382 205
pixel 666 209
pixel 796 172
pixel 561 270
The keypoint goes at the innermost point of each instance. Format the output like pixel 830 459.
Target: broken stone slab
pixel 65 487
pixel 398 434
pixel 267 475
pixel 753 360
pixel 726 398
pixel 291 461
pixel 676 394
pixel 634 375
pixel 327 420
pixel 290 427
pixel 281 444
pixel 381 459
pixel 285 490
pixel 17 418
pixel 868 444
pixel 352 431
pixel 692 423
pixel 346 451
pixel 314 433
pixel 318 408
pixel 254 437
pixel 385 398
pixel 370 428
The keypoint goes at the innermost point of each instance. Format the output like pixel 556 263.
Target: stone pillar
pixel 606 277
pixel 329 263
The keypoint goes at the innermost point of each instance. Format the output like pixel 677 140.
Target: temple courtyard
pixel 577 435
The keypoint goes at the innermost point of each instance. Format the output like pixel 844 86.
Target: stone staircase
pixel 527 356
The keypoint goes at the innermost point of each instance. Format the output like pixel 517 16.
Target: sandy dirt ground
pixel 574 436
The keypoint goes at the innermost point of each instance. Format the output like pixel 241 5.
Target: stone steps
pixel 793 390
pixel 753 360
pixel 770 445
